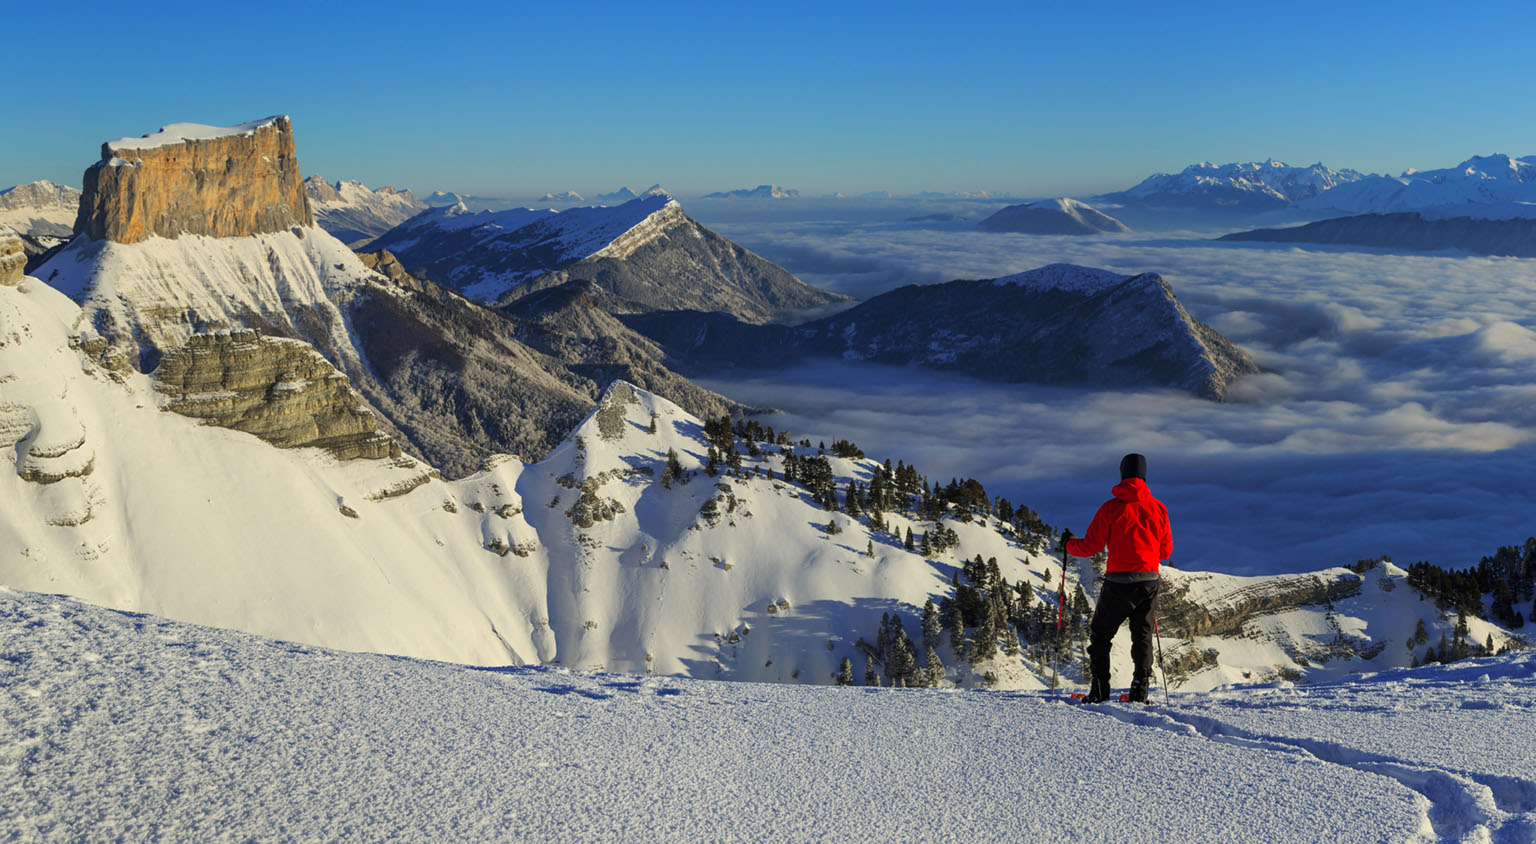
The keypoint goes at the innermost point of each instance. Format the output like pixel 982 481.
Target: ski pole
pixel 1061 606
pixel 1160 667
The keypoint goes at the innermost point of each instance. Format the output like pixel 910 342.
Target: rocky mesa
pixel 229 181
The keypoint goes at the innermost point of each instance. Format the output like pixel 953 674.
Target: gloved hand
pixel 1066 533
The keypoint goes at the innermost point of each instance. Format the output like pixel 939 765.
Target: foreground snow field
pixel 118 726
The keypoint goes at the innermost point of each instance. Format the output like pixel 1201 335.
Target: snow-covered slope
pixel 1251 186
pixel 149 297
pixel 1459 191
pixel 355 214
pixel 1062 215
pixel 109 720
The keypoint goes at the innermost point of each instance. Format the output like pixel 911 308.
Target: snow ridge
pixel 1068 277
pixel 175 133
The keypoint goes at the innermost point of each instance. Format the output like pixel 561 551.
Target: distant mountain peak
pixel 759 192
pixel 1061 215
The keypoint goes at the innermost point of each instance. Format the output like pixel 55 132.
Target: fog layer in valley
pixel 1396 414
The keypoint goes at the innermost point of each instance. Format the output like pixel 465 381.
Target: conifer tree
pixel 984 643
pixel 653 421
pixel 933 668
pixel 932 628
pixel 950 619
pixel 845 672
pixel 908 542
pixel 871 679
pixel 1011 645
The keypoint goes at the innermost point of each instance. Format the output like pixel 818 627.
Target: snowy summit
pixel 176 133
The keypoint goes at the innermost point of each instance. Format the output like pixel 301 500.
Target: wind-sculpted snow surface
pixel 110 723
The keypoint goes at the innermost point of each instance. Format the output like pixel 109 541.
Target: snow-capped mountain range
pixel 355 214
pixel 1250 186
pixel 1495 186
pixel 759 192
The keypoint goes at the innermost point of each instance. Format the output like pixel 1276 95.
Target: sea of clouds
pixel 1396 414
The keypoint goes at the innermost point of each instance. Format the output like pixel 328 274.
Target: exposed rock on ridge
pixel 280 390
pixel 230 182
pixel 12 257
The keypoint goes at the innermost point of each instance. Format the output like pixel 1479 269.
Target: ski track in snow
pixel 1454 806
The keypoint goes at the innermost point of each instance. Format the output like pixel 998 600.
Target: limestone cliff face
pixel 220 182
pixel 12 257
pixel 280 390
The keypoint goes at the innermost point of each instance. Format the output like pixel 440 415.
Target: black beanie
pixel 1133 466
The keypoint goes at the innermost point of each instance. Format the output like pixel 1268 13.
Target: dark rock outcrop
pixel 220 182
pixel 1409 231
pixel 1056 324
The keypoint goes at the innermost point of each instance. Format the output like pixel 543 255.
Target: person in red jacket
pixel 1134 526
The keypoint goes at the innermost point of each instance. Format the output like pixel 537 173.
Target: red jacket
pixel 1134 525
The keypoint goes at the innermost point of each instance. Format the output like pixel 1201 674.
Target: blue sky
pixel 1035 99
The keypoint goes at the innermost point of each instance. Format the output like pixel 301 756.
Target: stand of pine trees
pixel 1508 577
pixel 985 615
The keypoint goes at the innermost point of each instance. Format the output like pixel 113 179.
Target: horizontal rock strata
pixel 280 390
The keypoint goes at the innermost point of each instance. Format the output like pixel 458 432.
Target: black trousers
pixel 1117 603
